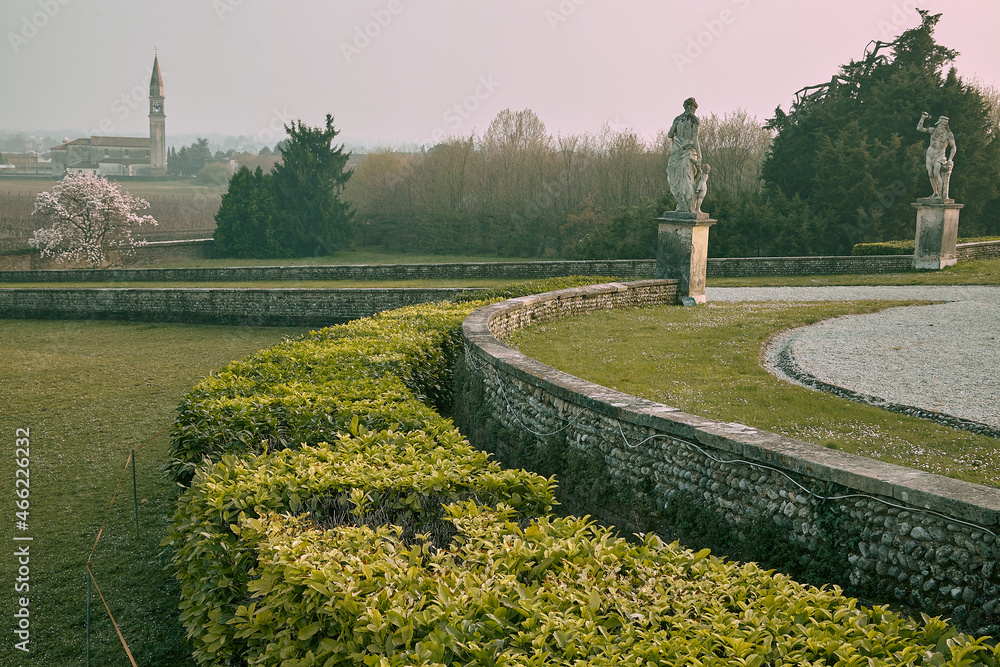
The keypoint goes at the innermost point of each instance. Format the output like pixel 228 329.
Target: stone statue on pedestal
pixel 685 159
pixel 939 163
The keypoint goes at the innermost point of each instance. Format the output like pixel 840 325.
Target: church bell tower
pixel 157 124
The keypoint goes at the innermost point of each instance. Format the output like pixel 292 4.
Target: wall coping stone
pixel 966 501
pixel 977 244
pixel 810 258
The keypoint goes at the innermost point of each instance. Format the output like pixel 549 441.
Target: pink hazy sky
pixel 405 71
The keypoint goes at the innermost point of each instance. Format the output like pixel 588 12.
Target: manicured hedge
pixel 329 516
pixel 978 239
pixel 904 247
pixel 372 478
pixel 308 390
pixel 388 371
pixel 337 425
pixel 554 592
pixel 527 287
pixel 884 248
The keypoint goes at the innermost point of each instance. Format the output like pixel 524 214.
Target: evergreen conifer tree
pixel 313 220
pixel 246 216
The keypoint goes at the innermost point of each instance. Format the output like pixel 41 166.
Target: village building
pixel 25 162
pixel 120 156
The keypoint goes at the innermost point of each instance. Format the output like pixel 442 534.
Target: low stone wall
pixel 980 250
pixel 28 267
pixel 918 538
pixel 739 267
pixel 624 268
pixel 746 267
pixel 19 260
pixel 260 307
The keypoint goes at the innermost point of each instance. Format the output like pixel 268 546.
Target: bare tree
pixel 446 175
pixel 513 189
pixel 382 191
pixel 991 96
pixel 735 145
pixel 519 182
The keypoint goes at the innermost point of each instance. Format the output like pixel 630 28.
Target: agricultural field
pixel 183 210
pixel 365 255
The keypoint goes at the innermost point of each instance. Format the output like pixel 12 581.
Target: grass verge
pixel 705 361
pixel 89 392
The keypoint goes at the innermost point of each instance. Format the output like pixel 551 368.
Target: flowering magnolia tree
pixel 91 220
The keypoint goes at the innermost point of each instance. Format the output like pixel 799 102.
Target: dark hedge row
pixel 883 248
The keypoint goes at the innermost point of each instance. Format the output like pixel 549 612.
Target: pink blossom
pixel 91 219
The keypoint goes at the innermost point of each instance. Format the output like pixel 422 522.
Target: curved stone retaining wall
pixel 921 539
pixel 261 307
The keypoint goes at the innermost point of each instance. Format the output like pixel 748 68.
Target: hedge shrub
pixel 905 247
pixel 335 424
pixel 372 478
pixel 331 517
pixel 389 371
pixel 559 591
pixel 514 290
pixel 309 389
pixel 884 248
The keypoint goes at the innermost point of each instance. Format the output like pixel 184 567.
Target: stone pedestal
pixel 682 251
pixel 937 233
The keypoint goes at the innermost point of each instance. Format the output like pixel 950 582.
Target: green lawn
pixel 974 272
pixel 705 361
pixel 89 392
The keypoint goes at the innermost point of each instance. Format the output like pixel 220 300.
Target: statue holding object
pixel 939 163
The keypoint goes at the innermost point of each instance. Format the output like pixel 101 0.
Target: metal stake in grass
pixel 135 497
pixel 88 618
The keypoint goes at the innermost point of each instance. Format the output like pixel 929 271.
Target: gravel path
pixel 940 362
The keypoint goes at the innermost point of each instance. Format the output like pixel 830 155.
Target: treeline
pixel 519 191
pixel 840 167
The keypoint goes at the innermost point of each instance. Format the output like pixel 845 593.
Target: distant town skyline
pixel 400 72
